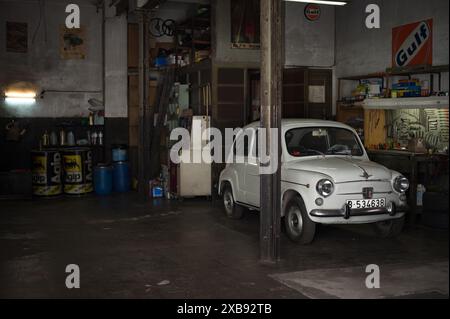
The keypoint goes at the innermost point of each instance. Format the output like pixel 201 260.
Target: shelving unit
pixel 194 34
pixel 80 130
pixel 437 102
pixel 348 111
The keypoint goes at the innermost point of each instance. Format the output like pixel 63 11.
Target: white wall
pixel 116 66
pixel 43 67
pixel 306 43
pixel 361 51
pixel 309 43
pixel 42 64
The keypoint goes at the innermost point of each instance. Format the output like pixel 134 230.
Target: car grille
pixel 356 187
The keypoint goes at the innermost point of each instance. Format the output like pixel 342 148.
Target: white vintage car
pixel 326 178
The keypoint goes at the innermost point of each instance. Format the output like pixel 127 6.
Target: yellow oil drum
pixel 77 171
pixel 46 173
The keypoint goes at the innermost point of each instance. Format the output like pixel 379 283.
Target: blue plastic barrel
pixel 103 180
pixel 121 177
pixel 119 153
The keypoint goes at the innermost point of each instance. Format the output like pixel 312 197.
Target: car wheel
pixel 299 227
pixel 389 228
pixel 233 210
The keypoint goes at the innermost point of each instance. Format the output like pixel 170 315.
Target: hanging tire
pixel 233 210
pixel 389 228
pixel 299 227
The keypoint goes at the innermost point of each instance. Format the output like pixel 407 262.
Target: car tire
pixel 232 209
pixel 389 228
pixel 298 226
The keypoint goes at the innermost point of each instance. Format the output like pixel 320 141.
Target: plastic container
pixel 121 177
pixel 420 191
pixel 103 180
pixel 119 153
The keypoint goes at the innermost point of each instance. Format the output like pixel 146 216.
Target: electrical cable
pixel 39 23
pixel 45 21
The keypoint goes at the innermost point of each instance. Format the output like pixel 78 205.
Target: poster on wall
pixel 245 24
pixel 316 94
pixel 72 43
pixel 412 44
pixel 16 37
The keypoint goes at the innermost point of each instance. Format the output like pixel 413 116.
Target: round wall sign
pixel 312 12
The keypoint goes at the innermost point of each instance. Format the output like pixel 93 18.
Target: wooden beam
pixel 272 63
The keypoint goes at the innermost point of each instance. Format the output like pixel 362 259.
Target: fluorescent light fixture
pixel 20 100
pixel 332 3
pixel 22 95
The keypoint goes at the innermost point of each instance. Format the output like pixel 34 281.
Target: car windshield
pixel 302 142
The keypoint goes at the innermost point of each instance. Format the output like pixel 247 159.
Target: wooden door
pixel 231 97
pixel 319 80
pixel 294 90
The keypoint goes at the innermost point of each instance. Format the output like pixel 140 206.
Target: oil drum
pixel 121 177
pixel 46 172
pixel 103 179
pixel 77 171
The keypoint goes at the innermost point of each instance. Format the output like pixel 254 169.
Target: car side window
pixel 243 142
pixel 255 146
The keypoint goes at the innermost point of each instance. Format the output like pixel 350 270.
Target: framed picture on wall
pixel 16 37
pixel 72 43
pixel 245 24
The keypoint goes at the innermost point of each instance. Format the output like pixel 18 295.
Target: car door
pixel 252 177
pixel 239 166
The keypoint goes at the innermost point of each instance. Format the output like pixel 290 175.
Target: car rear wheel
pixel 233 210
pixel 299 228
pixel 389 228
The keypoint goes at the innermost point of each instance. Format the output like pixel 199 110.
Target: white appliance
pixel 194 179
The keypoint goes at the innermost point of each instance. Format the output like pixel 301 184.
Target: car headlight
pixel 401 184
pixel 325 187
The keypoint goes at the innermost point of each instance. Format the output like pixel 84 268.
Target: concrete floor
pixel 127 248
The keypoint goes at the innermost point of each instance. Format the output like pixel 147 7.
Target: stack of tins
pixel 77 175
pixel 46 172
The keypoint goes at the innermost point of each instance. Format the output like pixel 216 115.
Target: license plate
pixel 367 203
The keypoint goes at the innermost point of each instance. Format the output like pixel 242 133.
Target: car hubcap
pixel 228 202
pixel 295 221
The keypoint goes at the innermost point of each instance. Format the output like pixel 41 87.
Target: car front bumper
pixel 356 216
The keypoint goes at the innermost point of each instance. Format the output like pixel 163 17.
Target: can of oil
pixel 77 173
pixel 46 173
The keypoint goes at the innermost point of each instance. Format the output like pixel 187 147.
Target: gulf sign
pixel 412 44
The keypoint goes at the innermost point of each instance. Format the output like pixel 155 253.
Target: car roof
pixel 290 123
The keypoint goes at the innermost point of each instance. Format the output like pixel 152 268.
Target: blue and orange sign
pixel 412 44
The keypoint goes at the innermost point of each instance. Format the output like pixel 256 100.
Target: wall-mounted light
pixel 19 94
pixel 325 2
pixel 20 97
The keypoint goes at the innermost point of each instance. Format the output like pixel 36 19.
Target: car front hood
pixel 341 169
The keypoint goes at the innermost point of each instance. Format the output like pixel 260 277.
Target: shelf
pixel 400 72
pixel 425 69
pixel 365 77
pixel 64 147
pixel 432 102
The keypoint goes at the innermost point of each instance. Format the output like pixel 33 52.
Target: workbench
pixel 420 168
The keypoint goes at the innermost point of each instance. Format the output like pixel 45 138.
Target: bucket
pixel 121 177
pixel 77 173
pixel 119 153
pixel 46 173
pixel 103 179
